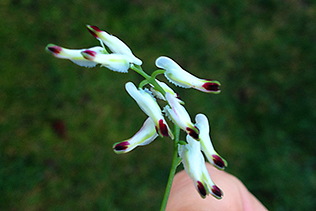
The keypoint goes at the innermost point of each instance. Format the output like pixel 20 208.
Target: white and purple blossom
pixel 114 44
pixel 177 113
pixel 178 76
pixel 149 105
pixel 206 144
pixel 144 136
pixel 194 164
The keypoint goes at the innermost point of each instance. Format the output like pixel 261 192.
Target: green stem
pixel 174 165
pixel 143 83
pixel 157 72
pixel 149 78
pixel 140 71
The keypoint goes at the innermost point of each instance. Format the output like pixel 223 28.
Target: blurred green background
pixel 58 121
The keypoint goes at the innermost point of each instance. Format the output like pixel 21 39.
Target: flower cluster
pixel 117 56
pixel 120 58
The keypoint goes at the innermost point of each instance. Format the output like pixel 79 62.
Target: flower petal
pixel 216 192
pixel 194 164
pixel 149 105
pixel 206 144
pixel 114 44
pixel 144 136
pixel 73 55
pixel 180 116
pixel 115 62
pixel 178 76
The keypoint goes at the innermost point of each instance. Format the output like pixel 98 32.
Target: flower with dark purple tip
pixel 206 144
pixel 178 76
pixel 194 165
pixel 149 105
pixel 144 136
pixel 177 113
pixel 74 55
pixel 114 44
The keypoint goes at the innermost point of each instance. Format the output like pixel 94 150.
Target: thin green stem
pixel 143 83
pixel 157 72
pixel 174 165
pixel 149 78
pixel 140 71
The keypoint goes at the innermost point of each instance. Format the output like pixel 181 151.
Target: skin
pixel 183 195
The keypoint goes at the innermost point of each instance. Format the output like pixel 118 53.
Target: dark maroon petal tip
pixel 89 52
pixel 121 146
pixel 92 30
pixel 217 192
pixel 210 86
pixel 201 189
pixel 193 133
pixel 95 28
pixel 163 128
pixel 55 49
pixel 218 161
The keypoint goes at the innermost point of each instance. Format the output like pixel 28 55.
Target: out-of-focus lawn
pixel 58 121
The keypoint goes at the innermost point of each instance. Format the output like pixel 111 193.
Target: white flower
pixel 206 144
pixel 149 105
pixel 74 55
pixel 144 136
pixel 115 62
pixel 194 165
pixel 114 44
pixel 180 116
pixel 176 75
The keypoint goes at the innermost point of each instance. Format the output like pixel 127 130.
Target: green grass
pixel 58 121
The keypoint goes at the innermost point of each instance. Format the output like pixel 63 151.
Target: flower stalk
pixel 150 79
pixel 174 164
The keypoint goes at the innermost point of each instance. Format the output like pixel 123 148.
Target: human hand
pixel 183 195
